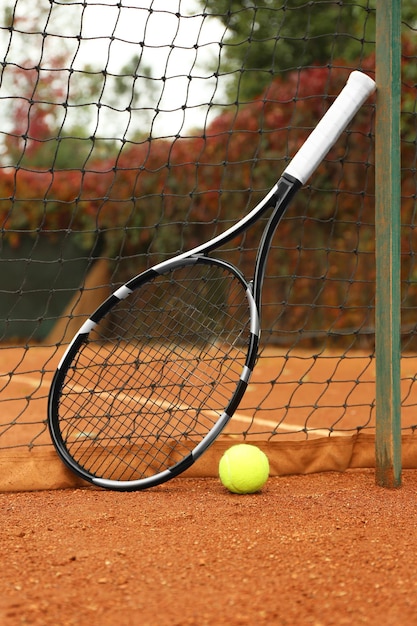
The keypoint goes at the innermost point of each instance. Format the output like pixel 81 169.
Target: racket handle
pixel 357 89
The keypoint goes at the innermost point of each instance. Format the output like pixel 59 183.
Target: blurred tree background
pixel 62 170
pixel 266 38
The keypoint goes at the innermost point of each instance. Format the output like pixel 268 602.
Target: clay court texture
pixel 323 549
pixel 321 544
pixel 309 412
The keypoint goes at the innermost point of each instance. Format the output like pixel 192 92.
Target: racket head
pixel 152 378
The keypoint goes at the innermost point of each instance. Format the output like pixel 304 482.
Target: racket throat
pixel 286 189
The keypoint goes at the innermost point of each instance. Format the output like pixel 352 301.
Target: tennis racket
pixel 155 374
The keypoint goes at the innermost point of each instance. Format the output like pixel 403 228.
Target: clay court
pixel 309 412
pixel 321 544
pixel 328 548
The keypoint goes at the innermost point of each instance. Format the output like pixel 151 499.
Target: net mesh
pixel 134 130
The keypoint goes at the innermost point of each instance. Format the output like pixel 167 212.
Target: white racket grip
pixel 358 88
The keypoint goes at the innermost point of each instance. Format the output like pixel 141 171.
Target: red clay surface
pixel 322 550
pixel 291 392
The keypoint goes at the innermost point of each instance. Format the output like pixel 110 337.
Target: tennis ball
pixel 244 468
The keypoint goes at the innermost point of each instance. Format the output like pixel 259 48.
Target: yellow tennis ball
pixel 244 468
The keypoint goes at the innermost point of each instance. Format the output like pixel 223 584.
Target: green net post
pixel 388 192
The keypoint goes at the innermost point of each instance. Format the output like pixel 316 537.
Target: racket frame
pixel 325 134
pixel 82 337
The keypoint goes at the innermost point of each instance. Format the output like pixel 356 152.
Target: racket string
pixel 155 377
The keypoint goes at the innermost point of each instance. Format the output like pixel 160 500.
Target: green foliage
pixel 265 38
